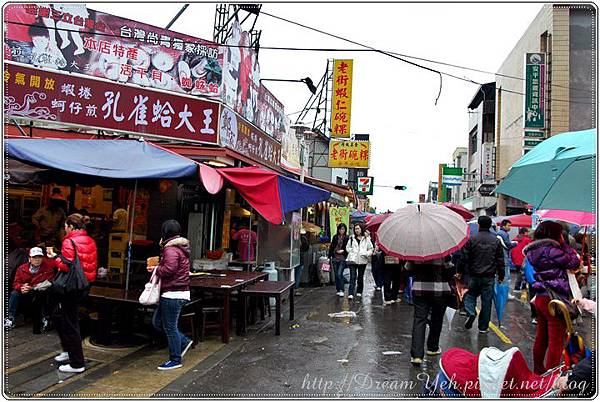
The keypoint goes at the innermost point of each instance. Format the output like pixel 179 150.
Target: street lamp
pixel 309 83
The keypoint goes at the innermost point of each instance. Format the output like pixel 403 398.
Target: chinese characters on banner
pixel 341 99
pixel 62 98
pixel 348 154
pixel 535 90
pixel 338 215
pixel 74 38
pixel 241 136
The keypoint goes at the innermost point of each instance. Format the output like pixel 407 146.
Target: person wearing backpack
pixel 360 249
pixel 66 315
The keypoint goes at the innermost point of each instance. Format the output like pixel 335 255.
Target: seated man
pixel 29 285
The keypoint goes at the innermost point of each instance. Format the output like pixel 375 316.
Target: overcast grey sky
pixel 392 101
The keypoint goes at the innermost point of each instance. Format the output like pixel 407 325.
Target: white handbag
pixel 151 293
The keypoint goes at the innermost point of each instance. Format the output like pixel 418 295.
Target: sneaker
pixel 169 365
pixel 388 302
pixel 66 368
pixel 377 289
pixel 61 358
pixel 484 331
pixel 511 297
pixel 469 321
pixel 534 321
pixel 434 352
pixel 350 297
pixel 340 294
pixel 9 323
pixel 45 324
pixel 399 300
pixel 416 360
pixel 187 347
pixel 359 295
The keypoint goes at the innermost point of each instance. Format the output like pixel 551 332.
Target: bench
pixel 270 289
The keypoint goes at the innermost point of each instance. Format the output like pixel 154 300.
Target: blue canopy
pixel 295 195
pixel 119 159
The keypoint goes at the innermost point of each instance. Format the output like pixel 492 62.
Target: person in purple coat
pixel 551 258
pixel 174 272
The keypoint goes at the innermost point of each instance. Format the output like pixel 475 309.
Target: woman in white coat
pixel 360 249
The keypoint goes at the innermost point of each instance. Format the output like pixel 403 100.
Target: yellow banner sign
pixel 348 154
pixel 341 100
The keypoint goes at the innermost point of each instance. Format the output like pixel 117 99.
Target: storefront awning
pixel 270 194
pixel 119 159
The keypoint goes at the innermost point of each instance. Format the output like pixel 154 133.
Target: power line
pixel 395 55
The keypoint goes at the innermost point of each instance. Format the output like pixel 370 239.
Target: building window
pixel 473 141
pixel 338 180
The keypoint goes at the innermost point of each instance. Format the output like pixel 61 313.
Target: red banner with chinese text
pixel 36 94
pixel 239 135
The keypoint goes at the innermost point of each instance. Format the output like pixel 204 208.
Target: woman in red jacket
pixel 66 315
pixel 174 273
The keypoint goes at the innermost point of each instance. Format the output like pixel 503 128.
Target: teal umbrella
pixel 556 174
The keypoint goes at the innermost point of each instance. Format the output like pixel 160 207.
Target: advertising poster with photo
pixel 71 37
pixel 290 149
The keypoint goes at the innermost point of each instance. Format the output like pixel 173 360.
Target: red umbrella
pixel 518 221
pixel 373 222
pixel 459 209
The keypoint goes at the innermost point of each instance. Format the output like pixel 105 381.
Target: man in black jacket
pixel 483 259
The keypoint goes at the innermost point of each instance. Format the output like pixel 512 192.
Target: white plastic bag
pixel 151 293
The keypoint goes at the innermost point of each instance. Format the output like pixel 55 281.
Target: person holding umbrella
pixel 431 293
pixel 425 235
pixel 518 258
pixel 551 258
pixel 484 259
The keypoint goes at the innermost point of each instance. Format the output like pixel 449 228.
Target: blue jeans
pixel 165 320
pixel 483 287
pixel 357 274
pixel 298 275
pixel 377 272
pixel 338 271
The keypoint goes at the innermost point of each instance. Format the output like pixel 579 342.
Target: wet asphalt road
pixel 333 357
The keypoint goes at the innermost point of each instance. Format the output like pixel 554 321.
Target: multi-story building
pixel 480 151
pixel 460 159
pixel 565 34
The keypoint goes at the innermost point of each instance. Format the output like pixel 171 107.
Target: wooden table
pixel 272 289
pixel 226 285
pixel 109 297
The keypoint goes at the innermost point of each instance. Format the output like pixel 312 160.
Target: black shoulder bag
pixel 73 283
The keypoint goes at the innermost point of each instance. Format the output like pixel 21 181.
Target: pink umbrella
pixel 459 209
pixel 577 217
pixel 373 223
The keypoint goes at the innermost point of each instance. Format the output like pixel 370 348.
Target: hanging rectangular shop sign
pixel 71 37
pixel 55 97
pixel 452 176
pixel 364 185
pixel 338 215
pixel 530 143
pixel 487 162
pixel 341 99
pixel 349 154
pixel 534 134
pixel 534 115
pixel 238 134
